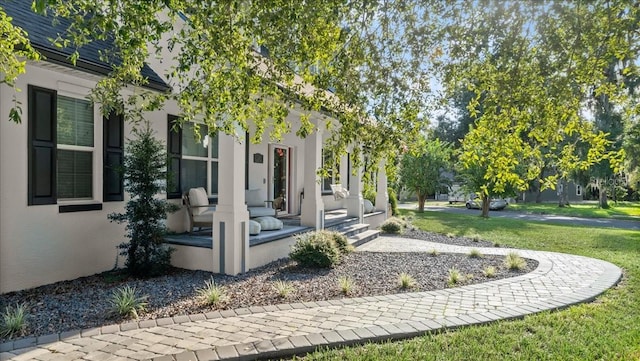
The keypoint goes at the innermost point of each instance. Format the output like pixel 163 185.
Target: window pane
pixel 75 122
pixel 189 145
pixel 75 174
pixel 214 177
pixel 193 174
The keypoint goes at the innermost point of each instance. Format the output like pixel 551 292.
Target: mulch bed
pixel 84 302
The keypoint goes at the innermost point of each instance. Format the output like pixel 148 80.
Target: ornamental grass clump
pixel 514 262
pixel 320 249
pixel 346 284
pixel 455 276
pixel 489 271
pixel 406 281
pixel 212 294
pixel 14 320
pixel 126 302
pixel 283 288
pixel 474 253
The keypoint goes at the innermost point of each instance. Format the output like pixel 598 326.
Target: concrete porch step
pixel 363 237
pixel 352 229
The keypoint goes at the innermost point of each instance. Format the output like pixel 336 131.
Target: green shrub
pixel 145 163
pixel 126 302
pixel 369 192
pixel 316 249
pixel 391 225
pixel 393 200
pixel 340 240
pixel 212 293
pixel 14 320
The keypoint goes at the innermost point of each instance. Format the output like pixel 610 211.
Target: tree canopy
pixel 534 68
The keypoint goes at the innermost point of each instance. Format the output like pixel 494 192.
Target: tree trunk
pixel 485 206
pixel 563 195
pixel 421 199
pixel 538 191
pixel 602 194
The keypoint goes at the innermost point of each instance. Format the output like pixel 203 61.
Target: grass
pixel 489 271
pixel 406 281
pixel 454 277
pixel 606 329
pixel 623 210
pixel 213 294
pixel 14 320
pixel 127 302
pixel 514 262
pixel 346 284
pixel 283 288
pixel 474 253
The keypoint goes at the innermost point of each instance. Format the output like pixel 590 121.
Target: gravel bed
pixel 84 302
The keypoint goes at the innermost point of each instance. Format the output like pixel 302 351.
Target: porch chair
pixel 198 207
pixel 339 192
pixel 256 205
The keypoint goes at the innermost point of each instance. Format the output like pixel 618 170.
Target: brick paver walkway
pixel 274 331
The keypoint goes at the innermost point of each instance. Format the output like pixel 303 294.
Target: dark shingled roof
pixel 40 29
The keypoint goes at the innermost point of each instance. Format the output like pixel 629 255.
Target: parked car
pixel 495 204
pixel 456 194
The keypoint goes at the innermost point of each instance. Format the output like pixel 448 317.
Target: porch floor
pixel 203 238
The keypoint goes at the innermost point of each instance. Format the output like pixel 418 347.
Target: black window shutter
pixel 174 155
pixel 113 185
pixel 42 145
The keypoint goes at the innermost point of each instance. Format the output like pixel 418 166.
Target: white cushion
pixel 198 197
pixel 253 198
pixel 339 192
pixel 254 227
pixel 261 211
pixel 269 223
pixel 206 216
pixel 368 206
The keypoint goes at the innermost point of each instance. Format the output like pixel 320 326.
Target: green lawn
pixel 607 329
pixel 590 210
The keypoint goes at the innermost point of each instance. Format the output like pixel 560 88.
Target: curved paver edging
pixel 559 281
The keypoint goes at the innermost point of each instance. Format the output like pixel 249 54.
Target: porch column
pixel 382 197
pixel 355 206
pixel 231 218
pixel 312 212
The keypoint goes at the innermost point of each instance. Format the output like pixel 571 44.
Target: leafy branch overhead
pixel 271 67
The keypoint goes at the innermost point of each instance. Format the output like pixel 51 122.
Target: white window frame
pixel 78 148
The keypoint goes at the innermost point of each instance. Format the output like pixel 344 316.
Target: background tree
pixel 144 172
pixel 423 169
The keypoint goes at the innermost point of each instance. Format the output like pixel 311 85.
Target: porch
pixel 196 250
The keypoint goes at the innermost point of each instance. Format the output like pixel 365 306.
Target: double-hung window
pixel 62 151
pixel 193 159
pixel 75 147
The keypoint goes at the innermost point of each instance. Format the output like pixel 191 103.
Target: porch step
pixel 352 229
pixel 364 237
pixel 338 224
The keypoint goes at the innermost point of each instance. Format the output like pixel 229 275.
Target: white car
pixel 496 204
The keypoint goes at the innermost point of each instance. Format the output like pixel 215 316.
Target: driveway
pixel 589 222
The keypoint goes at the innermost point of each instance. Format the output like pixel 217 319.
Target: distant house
pixel 58 181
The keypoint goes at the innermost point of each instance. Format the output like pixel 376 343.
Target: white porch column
pixel 231 218
pixel 382 197
pixel 355 206
pixel 312 212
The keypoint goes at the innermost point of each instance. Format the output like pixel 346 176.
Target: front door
pixel 280 182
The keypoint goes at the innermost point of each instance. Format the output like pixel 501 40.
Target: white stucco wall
pixel 39 245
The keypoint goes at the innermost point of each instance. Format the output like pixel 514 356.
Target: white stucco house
pixel 57 184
